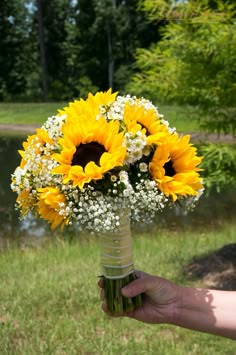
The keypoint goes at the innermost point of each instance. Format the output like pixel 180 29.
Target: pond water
pixel 211 211
pixel 12 228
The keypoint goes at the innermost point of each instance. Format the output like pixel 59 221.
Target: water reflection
pixel 30 230
pixel 211 211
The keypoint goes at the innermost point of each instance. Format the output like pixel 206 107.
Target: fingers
pixel 102 292
pixel 101 283
pixel 141 285
pixel 132 289
pixel 139 274
pixel 102 295
pixel 130 314
pixel 105 309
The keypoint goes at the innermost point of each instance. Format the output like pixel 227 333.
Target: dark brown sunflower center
pixel 88 152
pixel 169 169
pixel 147 131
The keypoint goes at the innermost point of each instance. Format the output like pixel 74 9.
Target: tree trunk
pixel 110 50
pixel 43 60
pixel 110 57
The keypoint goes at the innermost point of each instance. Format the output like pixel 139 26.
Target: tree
pixel 60 49
pixel 17 50
pixel 110 33
pixel 43 60
pixel 63 61
pixel 195 64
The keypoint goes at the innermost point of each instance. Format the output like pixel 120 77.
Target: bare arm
pixel 209 311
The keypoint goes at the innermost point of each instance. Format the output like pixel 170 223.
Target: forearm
pixel 208 311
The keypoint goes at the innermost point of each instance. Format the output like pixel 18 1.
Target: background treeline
pixel 60 49
pixel 180 52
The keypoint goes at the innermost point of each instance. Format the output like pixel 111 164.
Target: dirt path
pixel 195 136
pixel 26 128
pixel 212 137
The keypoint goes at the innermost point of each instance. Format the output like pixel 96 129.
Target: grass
pixel 50 299
pixel 36 113
pixel 179 117
pixel 27 113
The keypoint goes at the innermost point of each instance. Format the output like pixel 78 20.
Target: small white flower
pixel 143 167
pixel 113 178
pixel 123 175
pixel 126 192
pixel 146 151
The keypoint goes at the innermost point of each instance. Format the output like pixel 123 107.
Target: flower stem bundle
pixel 116 302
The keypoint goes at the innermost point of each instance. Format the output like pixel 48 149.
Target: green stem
pixel 116 302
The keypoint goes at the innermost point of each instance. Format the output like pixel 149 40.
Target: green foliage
pixel 195 62
pixel 18 51
pixel 219 166
pixel 113 31
pixel 62 48
pixel 87 46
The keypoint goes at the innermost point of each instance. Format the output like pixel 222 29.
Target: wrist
pixel 187 304
pixel 193 309
pixel 170 312
pixel 177 306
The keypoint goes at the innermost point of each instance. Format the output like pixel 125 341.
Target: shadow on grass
pixel 216 270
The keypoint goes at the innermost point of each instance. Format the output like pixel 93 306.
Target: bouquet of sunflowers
pixel 100 164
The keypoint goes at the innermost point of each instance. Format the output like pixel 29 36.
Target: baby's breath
pixel 94 207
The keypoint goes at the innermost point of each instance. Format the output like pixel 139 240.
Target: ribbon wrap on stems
pixel 117 264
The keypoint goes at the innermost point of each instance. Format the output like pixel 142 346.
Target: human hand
pixel 160 298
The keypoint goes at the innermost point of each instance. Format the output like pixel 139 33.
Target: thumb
pixel 137 287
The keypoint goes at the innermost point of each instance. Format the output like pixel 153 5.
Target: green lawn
pixel 27 113
pixel 37 113
pixel 50 299
pixel 179 117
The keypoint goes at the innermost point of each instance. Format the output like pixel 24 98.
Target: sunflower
pixel 90 148
pixel 34 145
pixel 26 201
pixel 174 167
pixel 137 118
pixel 92 103
pixel 101 98
pixel 50 202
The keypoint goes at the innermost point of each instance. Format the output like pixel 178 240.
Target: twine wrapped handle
pixel 117 265
pixel 116 249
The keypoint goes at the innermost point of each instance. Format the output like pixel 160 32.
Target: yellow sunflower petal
pixel 49 206
pixel 102 98
pixel 89 148
pixel 138 118
pixel 175 167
